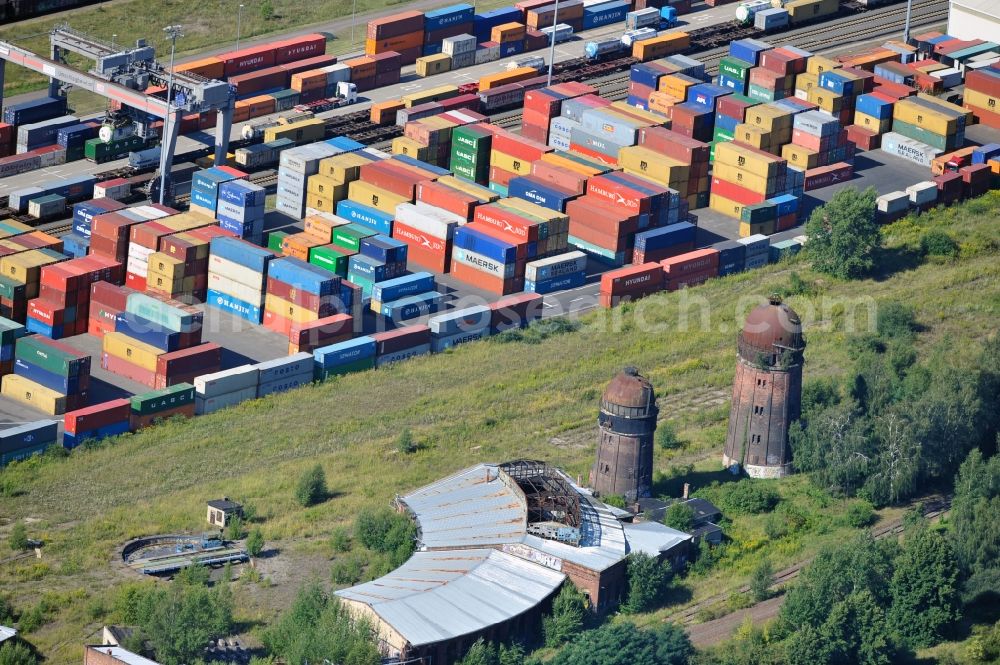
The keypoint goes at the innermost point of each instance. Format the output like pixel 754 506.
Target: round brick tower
pixel 626 423
pixel 767 391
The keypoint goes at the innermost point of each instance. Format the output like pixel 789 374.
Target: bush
pixel 761 581
pixel 647 580
pixel 346 570
pixel 938 243
pixel 340 539
pixel 312 487
pixel 193 576
pixel 18 539
pixel 13 652
pixel 896 321
pixel 387 532
pixel 860 514
pixel 615 500
pixel 744 497
pixel 679 516
pixel 405 443
pixel 255 543
pixel 666 437
pixel 234 530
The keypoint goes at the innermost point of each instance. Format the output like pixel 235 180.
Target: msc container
pixel 555 267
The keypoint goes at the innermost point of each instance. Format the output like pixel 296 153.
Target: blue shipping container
pixel 604 14
pixel 36 110
pixel 235 306
pixel 511 48
pixel 983 154
pixel 705 95
pixel 64 385
pixel 411 307
pixel 646 75
pixel 71 441
pixel 366 216
pixel 383 248
pixel 39 328
pixel 147 332
pixel 242 253
pixel 30 435
pixel 394 289
pixel 345 352
pixel 873 106
pixel 748 49
pixel 304 276
pixel 488 246
pixel 831 80
pixel 786 204
pixel 242 193
pixel 570 281
pixel 346 144
pixel 447 17
pixel 539 192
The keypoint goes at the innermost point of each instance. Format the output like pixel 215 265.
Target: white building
pixel 974 19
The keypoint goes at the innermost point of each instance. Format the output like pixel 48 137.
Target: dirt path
pixel 717 630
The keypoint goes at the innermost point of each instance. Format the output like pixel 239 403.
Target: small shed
pixel 222 511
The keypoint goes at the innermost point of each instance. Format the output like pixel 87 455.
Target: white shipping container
pixel 41 207
pixel 139 252
pixel 528 61
pixel 893 202
pixel 484 55
pixel 458 45
pixel 909 149
pixel 433 221
pixel 230 287
pixel 112 190
pixel 272 370
pixel 227 381
pixel 149 212
pixel 555 266
pixel 203 405
pixel 337 73
pixel 922 193
pixel 137 266
pixel 228 270
pixel 460 60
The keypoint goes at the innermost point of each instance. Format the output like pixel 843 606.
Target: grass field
pixel 487 401
pixel 207 26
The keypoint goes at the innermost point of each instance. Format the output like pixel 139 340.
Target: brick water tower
pixel 767 391
pixel 626 424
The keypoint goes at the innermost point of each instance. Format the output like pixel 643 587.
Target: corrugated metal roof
pixel 6 633
pixel 441 595
pixel 124 655
pixel 988 7
pixel 471 508
pixel 653 538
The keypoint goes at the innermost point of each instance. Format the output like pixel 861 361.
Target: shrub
pixel 255 543
pixel 679 516
pixel 387 532
pixel 896 321
pixel 405 443
pixel 234 530
pixel 936 242
pixel 860 514
pixel 340 539
pixel 18 538
pixel 744 497
pixel 312 487
pixel 615 500
pixel 666 437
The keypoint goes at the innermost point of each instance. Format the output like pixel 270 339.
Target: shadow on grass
pixel 672 485
pixel 894 260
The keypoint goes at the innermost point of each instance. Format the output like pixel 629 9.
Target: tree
pixel 761 580
pixel 624 644
pixel 196 575
pixel 679 516
pixel 666 437
pixel 975 531
pixel 267 10
pixel 568 611
pixel 255 543
pixel 234 530
pixel 18 539
pixel 312 487
pixel 185 619
pixel 924 589
pixel 855 632
pixel 481 653
pixel 844 237
pixel 13 652
pixel 511 654
pixel 405 443
pixel 647 579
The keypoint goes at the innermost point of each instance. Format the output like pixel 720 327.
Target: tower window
pixel 757 410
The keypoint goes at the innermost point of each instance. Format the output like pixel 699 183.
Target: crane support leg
pixel 53 82
pixel 167 146
pixel 3 66
pixel 223 127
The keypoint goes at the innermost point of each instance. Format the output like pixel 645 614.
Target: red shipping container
pixel 316 62
pixel 507 222
pixel 134 281
pixel 584 151
pixel 864 139
pixel 595 213
pixel 633 280
pixel 386 62
pixel 824 176
pixel 734 192
pixel 251 82
pixel 983 82
pixel 97 416
pixel 394 25
pixel 130 371
pixel 298 48
pixel 391 178
pixel 690 279
pixel 399 339
pixel 786 222
pixel 247 60
pixel 559 177
pixel 104 293
pixel 515 311
pixel 698 261
pixel 447 198
pixel 324 305
pixel 892 90
pixel 322 331
pixel 519 148
pixel 427 259
pixel 501 176
pixel 614 193
pixel 417 239
pixel 276 322
pixel 486 281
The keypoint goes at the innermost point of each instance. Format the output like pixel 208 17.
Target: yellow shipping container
pixel 484 194
pixel 25 391
pixel 981 100
pixel 806 82
pixel 650 164
pixel 751 135
pixel 343 168
pixel 674 85
pixel 800 156
pixel 166 265
pixel 734 154
pixel 159 282
pixel 727 207
pixel 402 145
pixel 25 267
pixel 764 228
pixel 321 203
pixel 304 131
pixel 507 163
pixel 185 222
pixel 289 310
pixel 829 101
pixel 431 95
pixel 768 117
pixel 937 122
pixel 637 113
pixel 743 178
pixel 558 222
pixel 817 64
pixel 947 107
pixel 327 187
pixel 800 11
pixel 872 123
pixel 138 353
pixel 201 211
pixel 429 65
pixel 370 195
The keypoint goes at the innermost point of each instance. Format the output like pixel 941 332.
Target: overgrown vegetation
pixel 647 580
pixel 844 237
pixel 312 487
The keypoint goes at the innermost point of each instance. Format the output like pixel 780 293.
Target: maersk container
pixel 771 19
pixel 443 343
pixel 163 399
pixel 563 283
pixel 283 368
pixel 484 264
pixel 481 243
pixel 34 110
pixel 456 321
pixel 241 253
pixel 411 307
pixel 642 18
pixel 227 381
pixel 394 289
pixel 303 276
pixel 366 216
pixel 909 149
pixel 384 248
pixel 227 303
pixel 556 266
pixel 147 332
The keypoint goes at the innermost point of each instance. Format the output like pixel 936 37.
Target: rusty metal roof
pixel 437 596
pixel 773 324
pixel 629 388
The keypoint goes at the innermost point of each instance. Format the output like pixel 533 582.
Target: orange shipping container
pixel 310 80
pixel 658 47
pixel 242 112
pixel 384 113
pixel 503 78
pixel 361 68
pixel 261 105
pixel 508 32
pixel 212 68
pixel 400 43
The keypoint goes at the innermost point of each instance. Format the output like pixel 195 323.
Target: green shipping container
pixel 758 213
pixel 98 151
pixel 321 374
pixel 274 239
pixel 365 283
pixel 723 135
pixel 162 400
pixel 735 68
pixel 349 236
pixel 938 141
pixel 761 94
pixel 471 139
pixel 328 258
pixel 30 349
pixel 76 153
pixel 11 288
pixel 469 173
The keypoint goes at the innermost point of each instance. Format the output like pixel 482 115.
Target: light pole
pixel 113 37
pixel 906 28
pixel 552 44
pixel 354 13
pixel 239 25
pixel 173 32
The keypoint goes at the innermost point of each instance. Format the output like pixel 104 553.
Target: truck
pixel 347 93
pixel 145 159
pixel 668 17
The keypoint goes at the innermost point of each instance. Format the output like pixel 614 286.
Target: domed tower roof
pixel 771 329
pixel 629 390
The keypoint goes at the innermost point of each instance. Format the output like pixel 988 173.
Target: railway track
pixel 933 507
